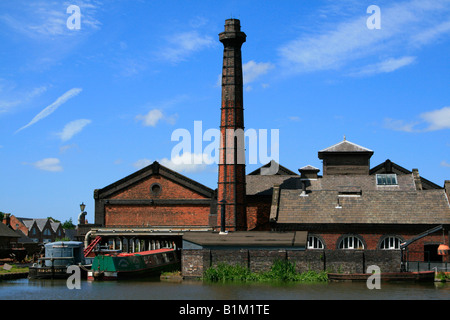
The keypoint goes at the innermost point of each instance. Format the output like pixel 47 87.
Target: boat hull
pixel 112 267
pixel 39 272
pixel 423 276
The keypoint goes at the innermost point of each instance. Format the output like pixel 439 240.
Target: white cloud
pixel 142 163
pixel 429 121
pixel 182 45
pixel 253 70
pixel 48 19
pixel 48 164
pixel 52 108
pixel 432 34
pixel 156 114
pixel 385 66
pixel 437 119
pixel 399 125
pixel 72 128
pixel 151 118
pixel 408 24
pixel 445 164
pixel 7 105
pixel 188 162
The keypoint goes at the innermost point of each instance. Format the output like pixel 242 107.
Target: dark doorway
pixel 431 253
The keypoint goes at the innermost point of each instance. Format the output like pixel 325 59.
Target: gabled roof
pixel 7 232
pixel 373 207
pixel 154 169
pixel 309 168
pixel 390 167
pixel 346 146
pixel 40 223
pixel 281 169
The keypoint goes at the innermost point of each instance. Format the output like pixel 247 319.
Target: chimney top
pixel 232 25
pixel 232 34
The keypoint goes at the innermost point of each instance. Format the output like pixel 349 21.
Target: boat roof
pixel 141 253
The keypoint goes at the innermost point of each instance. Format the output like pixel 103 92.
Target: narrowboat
pixel 121 265
pixel 58 257
pixel 422 276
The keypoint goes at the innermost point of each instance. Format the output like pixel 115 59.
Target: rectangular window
pixel 387 179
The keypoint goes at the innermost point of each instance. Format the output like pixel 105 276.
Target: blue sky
pixel 82 108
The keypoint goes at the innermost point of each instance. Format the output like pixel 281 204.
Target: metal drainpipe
pixel 222 216
pixel 86 239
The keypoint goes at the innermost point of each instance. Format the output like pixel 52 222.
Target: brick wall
pixel 258 212
pixel 195 262
pixel 159 215
pixel 167 190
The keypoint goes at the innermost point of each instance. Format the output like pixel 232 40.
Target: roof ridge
pixel 330 149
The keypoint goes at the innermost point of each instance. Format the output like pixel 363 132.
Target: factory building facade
pixel 345 205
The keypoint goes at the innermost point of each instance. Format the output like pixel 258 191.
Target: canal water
pixel 155 289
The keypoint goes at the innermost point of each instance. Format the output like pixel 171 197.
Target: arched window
pixel 390 243
pixel 315 243
pixel 351 242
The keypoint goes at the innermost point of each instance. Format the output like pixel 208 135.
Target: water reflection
pixel 154 289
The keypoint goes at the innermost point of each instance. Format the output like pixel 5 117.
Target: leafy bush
pixel 281 270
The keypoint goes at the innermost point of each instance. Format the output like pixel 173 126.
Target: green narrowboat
pixel 121 265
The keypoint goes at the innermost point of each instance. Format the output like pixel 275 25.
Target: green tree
pixel 68 224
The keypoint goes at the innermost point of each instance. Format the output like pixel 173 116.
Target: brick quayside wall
pixel 195 262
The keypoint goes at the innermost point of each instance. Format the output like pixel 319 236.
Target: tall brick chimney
pixel 231 183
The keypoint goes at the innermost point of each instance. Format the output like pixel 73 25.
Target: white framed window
pixel 351 242
pixel 390 243
pixel 314 243
pixel 387 179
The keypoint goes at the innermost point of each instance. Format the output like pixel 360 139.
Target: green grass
pixel 443 276
pixel 281 270
pixel 14 269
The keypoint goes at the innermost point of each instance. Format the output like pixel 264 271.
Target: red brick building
pixel 352 206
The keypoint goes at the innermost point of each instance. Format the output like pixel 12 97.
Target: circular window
pixel 155 189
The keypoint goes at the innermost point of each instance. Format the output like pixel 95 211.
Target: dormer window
pixel 389 179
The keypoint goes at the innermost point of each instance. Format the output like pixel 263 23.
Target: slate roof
pixel 346 146
pixel 371 206
pixel 7 232
pixel 281 169
pixel 357 199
